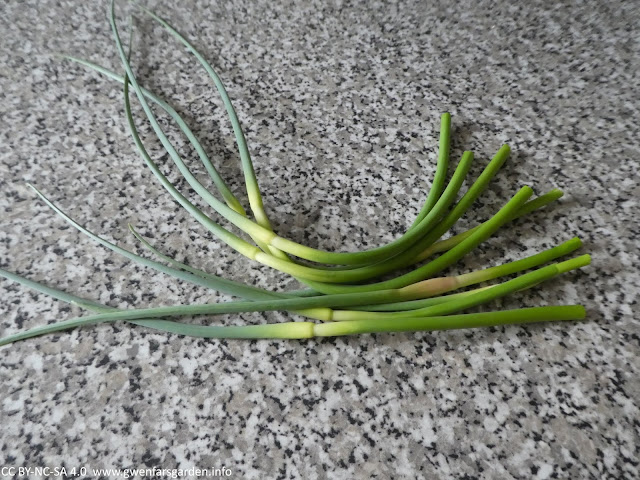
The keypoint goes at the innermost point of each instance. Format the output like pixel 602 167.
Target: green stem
pixel 54 293
pixel 286 266
pixel 251 182
pixel 222 187
pixel 417 252
pixel 243 247
pixel 255 230
pixel 288 304
pixel 293 330
pixel 465 280
pixel 503 270
pixel 414 304
pixel 237 243
pixel 432 268
pixel 434 193
pixel 229 238
pixel 410 237
pixel 408 256
pixel 231 215
pixel 471 320
pixel 138 316
pixel 302 330
pixel 441 169
pixel 201 273
pixel 214 282
pixel 175 327
pixel 231 200
pixel 522 282
pixel 444 245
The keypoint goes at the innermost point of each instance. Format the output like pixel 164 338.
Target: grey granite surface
pixel 340 103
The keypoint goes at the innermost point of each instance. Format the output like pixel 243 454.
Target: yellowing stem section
pixel 430 287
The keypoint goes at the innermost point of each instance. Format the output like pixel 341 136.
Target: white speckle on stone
pixel 34 361
pixel 544 471
pixel 490 424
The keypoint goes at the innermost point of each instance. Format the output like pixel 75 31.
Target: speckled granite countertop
pixel 340 103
